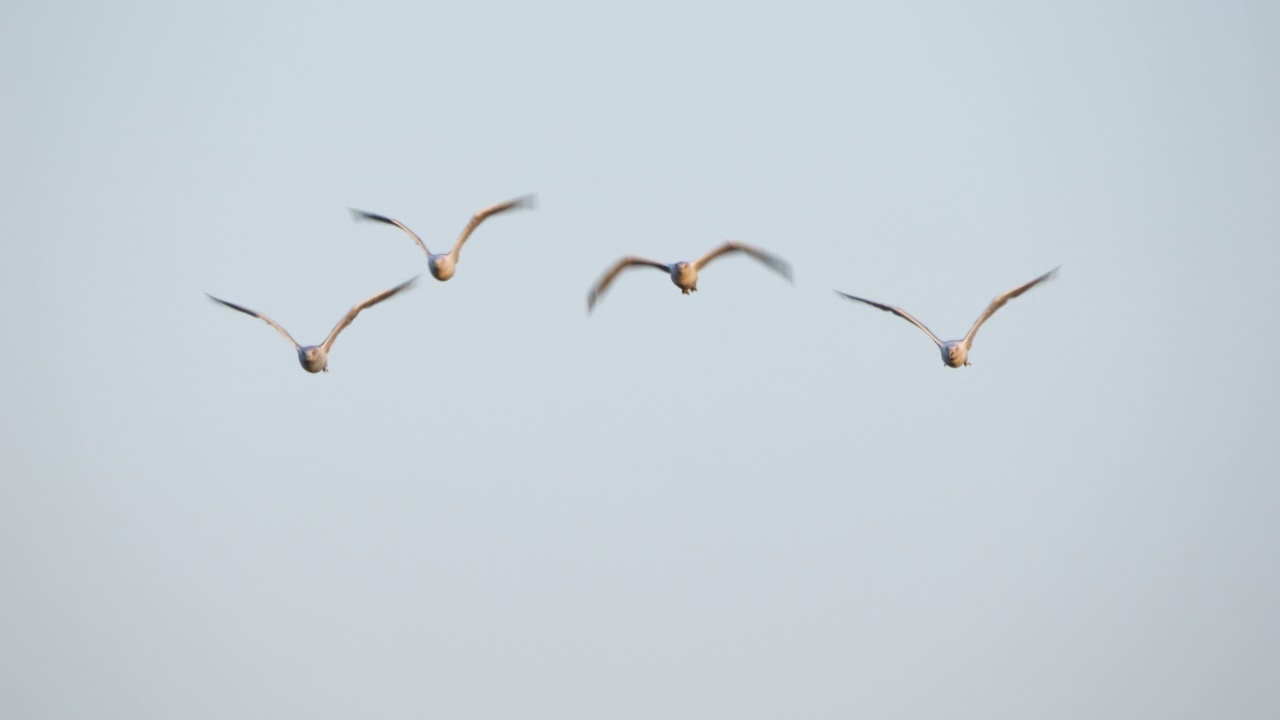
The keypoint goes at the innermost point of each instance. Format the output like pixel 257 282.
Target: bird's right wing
pixel 896 311
pixel 258 315
pixel 362 215
pixel 603 283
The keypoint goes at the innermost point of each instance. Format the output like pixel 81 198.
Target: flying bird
pixel 955 353
pixel 315 358
pixel 443 265
pixel 685 274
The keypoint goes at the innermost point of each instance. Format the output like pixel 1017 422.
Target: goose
pixel 685 274
pixel 315 358
pixel 955 353
pixel 443 265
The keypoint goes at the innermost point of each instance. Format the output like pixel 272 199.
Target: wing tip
pixel 784 269
pixel 357 214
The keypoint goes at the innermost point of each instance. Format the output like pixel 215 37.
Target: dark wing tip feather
pixel 1016 292
pixel 782 266
pixel 872 303
pixel 524 201
pixel 408 283
pixel 362 215
pixel 772 261
pixel 386 294
pixel 232 305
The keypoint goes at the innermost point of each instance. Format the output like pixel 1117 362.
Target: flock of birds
pixel 315 358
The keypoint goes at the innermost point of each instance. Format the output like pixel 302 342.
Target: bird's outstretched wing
pixel 896 311
pixel 524 201
pixel 773 262
pixel 999 303
pixel 355 310
pixel 362 215
pixel 258 315
pixel 603 283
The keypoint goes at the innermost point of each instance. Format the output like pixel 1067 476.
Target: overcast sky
pixel 757 501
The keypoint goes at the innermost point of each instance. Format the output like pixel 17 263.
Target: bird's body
pixel 955 353
pixel 685 274
pixel 444 265
pixel 315 358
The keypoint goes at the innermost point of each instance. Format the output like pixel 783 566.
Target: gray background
pixel 757 501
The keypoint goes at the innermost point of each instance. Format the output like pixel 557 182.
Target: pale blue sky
pixel 760 501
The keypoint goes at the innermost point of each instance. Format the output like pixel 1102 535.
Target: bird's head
pixel 685 276
pixel 442 266
pixel 313 359
pixel 955 355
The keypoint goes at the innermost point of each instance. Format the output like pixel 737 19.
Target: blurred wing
pixel 258 315
pixel 1000 301
pixel 362 215
pixel 603 283
pixel 896 311
pixel 773 262
pixel 525 201
pixel 355 310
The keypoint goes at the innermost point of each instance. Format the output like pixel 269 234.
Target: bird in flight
pixel 955 353
pixel 443 265
pixel 685 274
pixel 315 358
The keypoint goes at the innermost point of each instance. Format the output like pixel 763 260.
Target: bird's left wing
pixel 524 201
pixel 355 310
pixel 999 303
pixel 773 262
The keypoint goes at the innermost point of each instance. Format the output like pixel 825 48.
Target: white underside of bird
pixel 955 353
pixel 315 358
pixel 685 274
